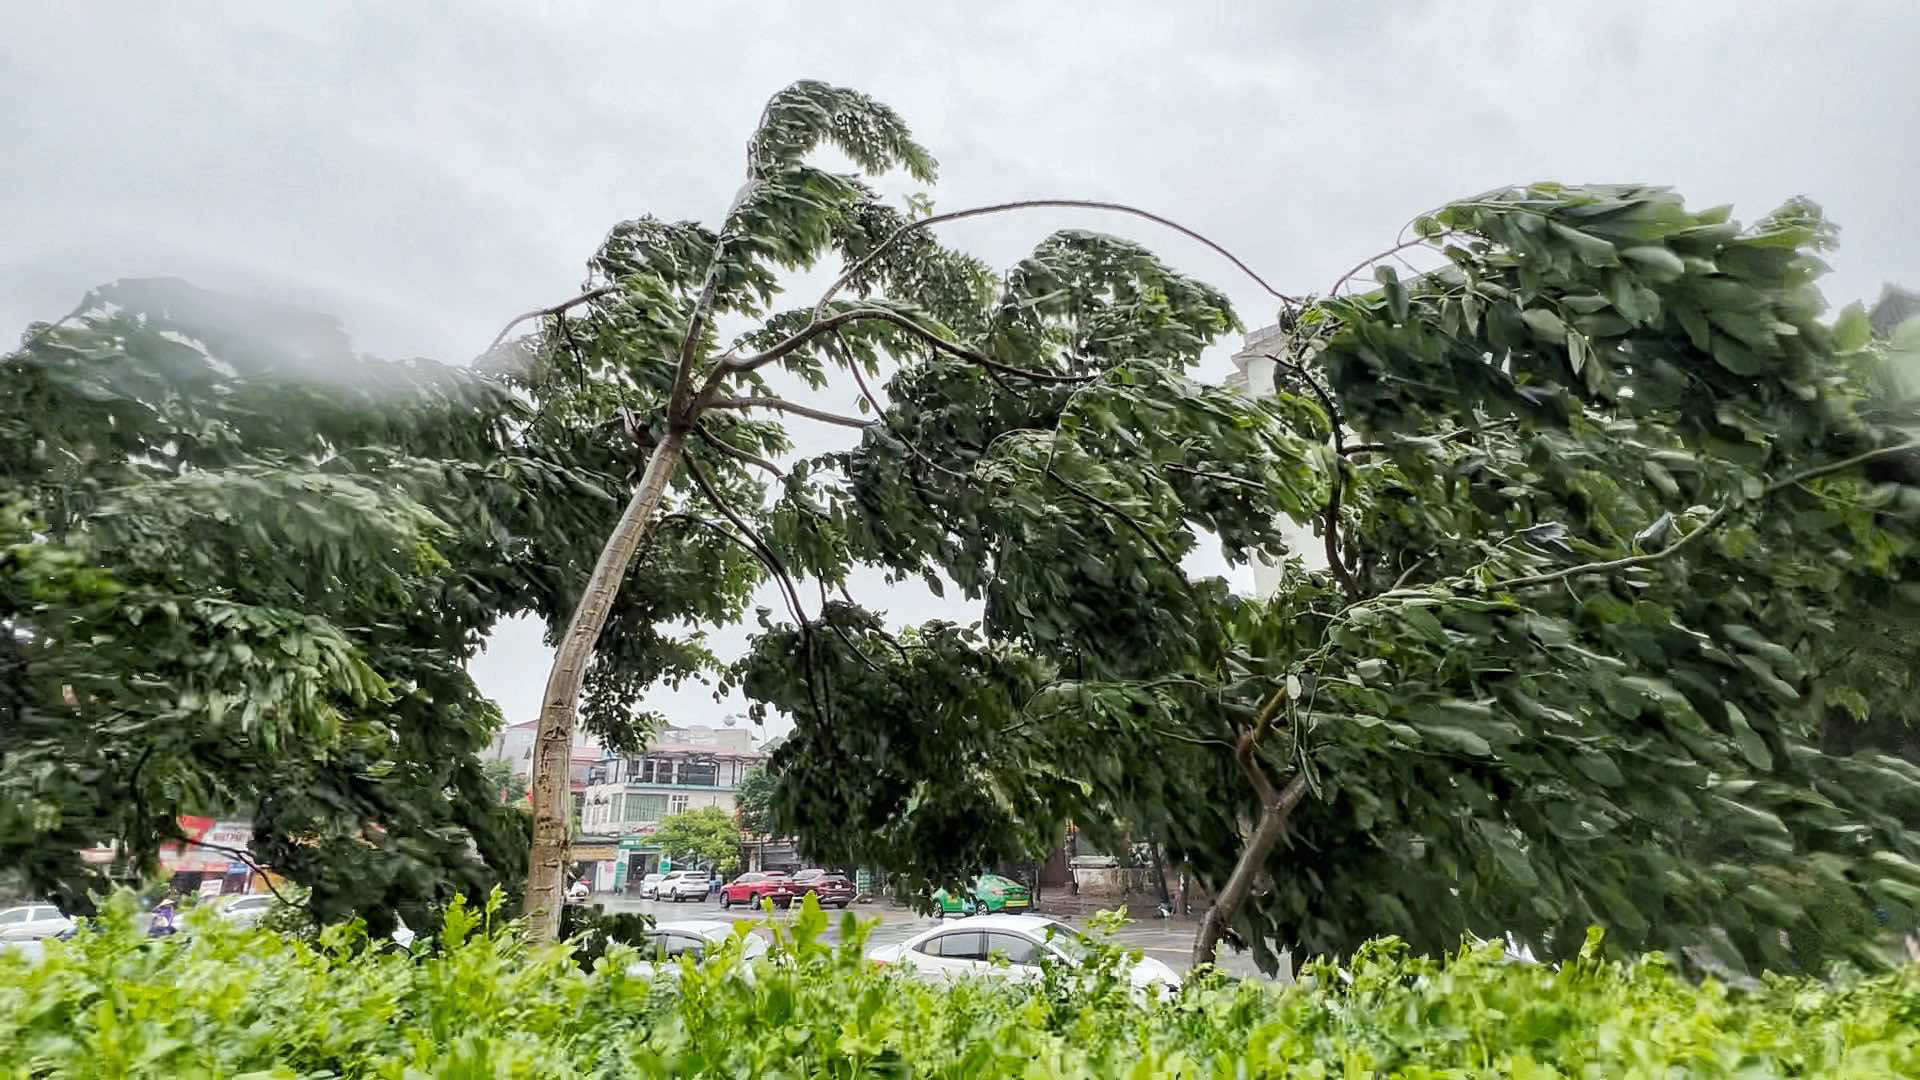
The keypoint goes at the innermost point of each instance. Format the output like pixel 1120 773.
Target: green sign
pixel 666 864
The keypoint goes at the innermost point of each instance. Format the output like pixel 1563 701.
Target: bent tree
pixel 1594 497
pixel 1588 498
pixel 642 338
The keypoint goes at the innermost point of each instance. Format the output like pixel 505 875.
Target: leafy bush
pixel 475 1001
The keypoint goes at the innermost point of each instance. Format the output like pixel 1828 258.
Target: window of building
pixel 701 773
pixel 678 804
pixel 645 809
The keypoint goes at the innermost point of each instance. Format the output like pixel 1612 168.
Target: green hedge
pixel 476 1003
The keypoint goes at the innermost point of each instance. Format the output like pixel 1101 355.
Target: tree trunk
pixel 1253 857
pixel 553 743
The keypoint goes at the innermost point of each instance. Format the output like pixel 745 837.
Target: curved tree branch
pixel 539 313
pixel 1396 249
pixel 1330 517
pixel 794 407
pixel 1033 204
pixel 1096 501
pixel 247 858
pixel 801 337
pixel 735 452
pixel 1714 521
pixel 772 561
pixel 1447 437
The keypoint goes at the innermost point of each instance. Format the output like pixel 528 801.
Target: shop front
pixel 593 859
pixel 639 856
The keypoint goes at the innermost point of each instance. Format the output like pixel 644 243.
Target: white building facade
pixel 1253 376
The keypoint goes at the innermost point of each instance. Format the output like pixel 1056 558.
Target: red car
pixel 832 890
pixel 749 888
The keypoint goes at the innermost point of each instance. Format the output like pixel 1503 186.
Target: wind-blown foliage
pixel 1600 491
pixel 242 570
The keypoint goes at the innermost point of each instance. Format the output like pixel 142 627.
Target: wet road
pixel 1170 941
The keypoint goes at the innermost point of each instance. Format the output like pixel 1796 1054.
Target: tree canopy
pixel 707 836
pixel 243 570
pixel 1597 494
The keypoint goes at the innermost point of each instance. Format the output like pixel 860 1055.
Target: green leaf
pixel 1657 262
pixel 1546 323
pixel 1396 293
pixel 1852 331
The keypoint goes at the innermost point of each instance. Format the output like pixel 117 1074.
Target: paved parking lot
pixel 1170 941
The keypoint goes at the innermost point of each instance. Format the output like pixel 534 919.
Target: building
pixel 683 768
pixel 1253 376
pixel 513 744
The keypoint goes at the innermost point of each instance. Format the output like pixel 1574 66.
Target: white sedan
pixel 245 910
pixel 31 922
pixel 963 948
pixel 667 942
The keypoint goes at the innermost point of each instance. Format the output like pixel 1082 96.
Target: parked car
pixel 682 885
pixel 968 948
pixel 750 887
pixel 30 951
pixel 31 922
pixel 988 893
pixel 830 889
pixel 650 885
pixel 245 909
pixel 668 941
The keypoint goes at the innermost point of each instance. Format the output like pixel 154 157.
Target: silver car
pixel 247 909
pixel 667 942
pixel 31 922
pixel 1008 947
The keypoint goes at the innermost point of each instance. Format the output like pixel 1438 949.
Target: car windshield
pixel 1073 944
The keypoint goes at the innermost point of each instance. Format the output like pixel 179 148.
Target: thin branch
pixel 783 405
pixel 1110 508
pixel 842 634
pixel 1300 372
pixel 813 330
pixel 1034 204
pixel 774 565
pixel 556 309
pixel 1330 517
pixel 1223 477
pixel 1268 710
pixel 1371 259
pixel 247 858
pixel 735 452
pixel 1456 433
pixel 1409 572
pixel 880 411
pixel 1713 522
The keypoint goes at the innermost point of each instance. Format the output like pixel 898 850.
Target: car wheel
pixel 842 905
pixel 725 903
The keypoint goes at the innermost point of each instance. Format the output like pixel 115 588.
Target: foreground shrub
pixel 475 1002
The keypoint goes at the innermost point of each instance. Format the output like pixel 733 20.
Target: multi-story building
pixel 685 768
pixel 513 744
pixel 1254 377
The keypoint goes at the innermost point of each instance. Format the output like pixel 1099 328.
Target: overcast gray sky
pixel 426 173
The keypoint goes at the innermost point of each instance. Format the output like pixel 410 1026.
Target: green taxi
pixel 989 893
